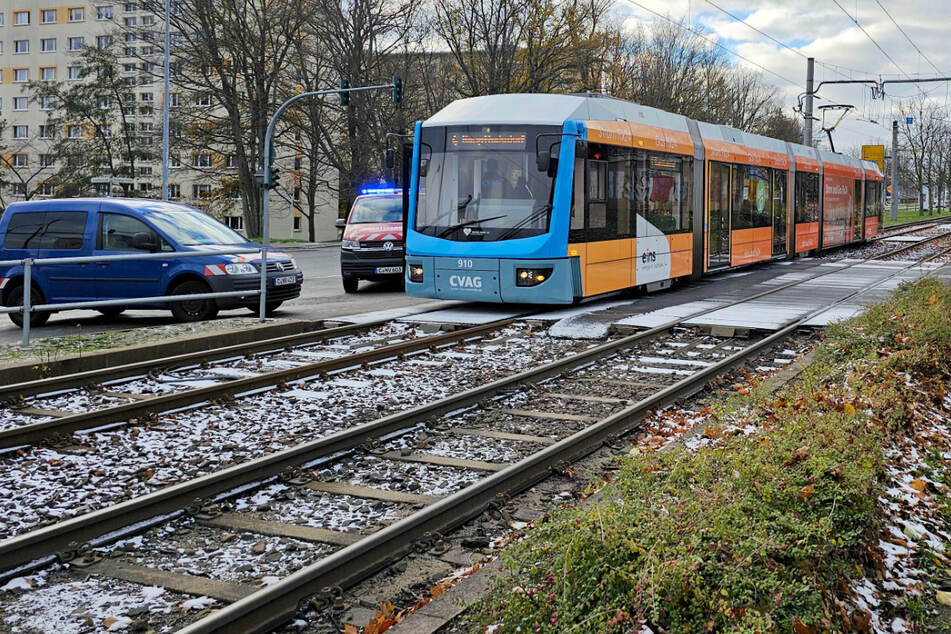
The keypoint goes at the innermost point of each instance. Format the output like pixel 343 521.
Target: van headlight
pixel 240 268
pixel 350 244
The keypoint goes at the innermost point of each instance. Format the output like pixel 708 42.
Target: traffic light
pixel 272 177
pixel 397 89
pixel 344 96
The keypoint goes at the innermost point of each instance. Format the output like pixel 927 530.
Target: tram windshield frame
pixel 481 183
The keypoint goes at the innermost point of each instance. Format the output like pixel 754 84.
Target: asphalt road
pixel 322 297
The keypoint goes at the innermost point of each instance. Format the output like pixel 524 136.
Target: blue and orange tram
pixel 554 198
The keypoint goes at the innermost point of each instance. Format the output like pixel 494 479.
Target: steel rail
pixel 43 542
pixel 275 604
pixel 101 375
pixel 121 414
pixel 913 245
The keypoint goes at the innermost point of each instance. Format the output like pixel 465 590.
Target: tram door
pixel 780 230
pixel 718 227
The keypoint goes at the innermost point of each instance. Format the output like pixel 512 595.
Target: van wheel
pixel 350 284
pixel 15 298
pixel 269 308
pixel 193 309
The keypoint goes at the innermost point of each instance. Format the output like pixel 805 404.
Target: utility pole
pixel 894 171
pixel 165 104
pixel 807 124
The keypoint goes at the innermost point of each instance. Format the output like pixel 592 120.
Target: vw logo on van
pixel 280 266
pixel 388 245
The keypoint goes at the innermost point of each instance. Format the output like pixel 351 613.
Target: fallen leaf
pixel 714 431
pixel 861 620
pixel 932 300
pixel 919 485
pixel 849 409
pixel 801 628
pixel 943 597
pixel 799 455
pixel 350 629
pixel 806 492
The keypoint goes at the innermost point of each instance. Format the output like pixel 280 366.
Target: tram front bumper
pixel 490 280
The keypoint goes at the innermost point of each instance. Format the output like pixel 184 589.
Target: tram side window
pixel 779 193
pixel 753 195
pixel 663 191
pixel 576 230
pixel 600 225
pixel 807 197
pixel 873 198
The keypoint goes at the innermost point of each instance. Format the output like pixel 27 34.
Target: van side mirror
pixel 423 167
pixel 341 223
pixel 144 242
pixel 390 158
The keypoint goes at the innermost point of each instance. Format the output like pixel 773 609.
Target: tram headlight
pixel 531 277
pixel 416 273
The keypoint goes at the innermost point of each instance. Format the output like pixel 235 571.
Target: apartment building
pixel 44 42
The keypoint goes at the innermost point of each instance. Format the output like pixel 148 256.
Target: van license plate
pixel 383 270
pixel 283 281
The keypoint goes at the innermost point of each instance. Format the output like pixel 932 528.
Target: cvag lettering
pixel 465 281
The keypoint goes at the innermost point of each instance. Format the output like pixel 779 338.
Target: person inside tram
pixel 494 184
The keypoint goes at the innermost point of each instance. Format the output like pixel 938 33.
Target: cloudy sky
pixel 828 32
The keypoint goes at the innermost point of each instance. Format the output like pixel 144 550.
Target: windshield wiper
pixel 445 232
pixel 527 219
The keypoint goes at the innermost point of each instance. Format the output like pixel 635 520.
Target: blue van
pixel 79 227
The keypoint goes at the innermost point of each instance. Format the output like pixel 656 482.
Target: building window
pixel 128 111
pixel 48 73
pixel 47 160
pixel 77 14
pixel 48 45
pixel 147 97
pixel 129 21
pixel 174 190
pixel 148 20
pixel 145 171
pixel 146 111
pixel 21 75
pixel 298 163
pixel 174 100
pixel 48 102
pixel 297 193
pixel 103 41
pixel 145 187
pixel 231 161
pixel 130 7
pixel 145 50
pixel 1 18
pixel 145 127
pixel 235 222
pixel 130 51
pixel 74 73
pixel 105 102
pixel 104 13
pixel 21 46
pixel 129 68
pixel 130 37
pixel 19 190
pixel 22 18
pixel 76 43
pixel 148 36
pixel 20 160
pixel 21 104
pixel 202 160
pixel 203 99
pixel 47 131
pixel 48 16
pixel 75 131
pixel 46 189
pixel 297 223
pixel 104 131
pixel 174 162
pixel 145 140
pixel 21 132
pixel 201 191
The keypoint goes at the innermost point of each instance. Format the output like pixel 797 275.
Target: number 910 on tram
pixel 551 199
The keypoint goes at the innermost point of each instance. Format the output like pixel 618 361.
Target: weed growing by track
pixel 768 524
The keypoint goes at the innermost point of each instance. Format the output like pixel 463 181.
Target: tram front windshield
pixel 481 183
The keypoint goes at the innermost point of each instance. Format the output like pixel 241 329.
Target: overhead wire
pixel 910 41
pixel 872 39
pixel 714 42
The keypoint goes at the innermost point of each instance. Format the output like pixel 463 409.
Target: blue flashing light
pixel 380 190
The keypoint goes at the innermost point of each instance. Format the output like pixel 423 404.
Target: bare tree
pixel 234 56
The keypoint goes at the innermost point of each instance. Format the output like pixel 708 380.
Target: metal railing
pixel 26 308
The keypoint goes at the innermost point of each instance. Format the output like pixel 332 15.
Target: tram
pixel 551 199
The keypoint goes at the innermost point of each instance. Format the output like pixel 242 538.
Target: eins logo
pixel 648 256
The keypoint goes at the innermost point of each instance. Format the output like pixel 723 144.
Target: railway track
pixel 618 381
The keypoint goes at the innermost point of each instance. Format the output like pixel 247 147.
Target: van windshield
pixel 193 228
pixel 386 209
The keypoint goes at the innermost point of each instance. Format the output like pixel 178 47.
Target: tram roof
pixel 545 109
